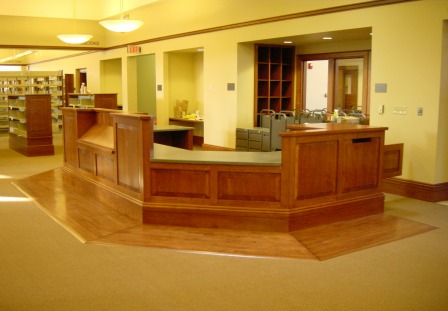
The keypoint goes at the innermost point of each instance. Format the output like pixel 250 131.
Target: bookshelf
pixel 30 124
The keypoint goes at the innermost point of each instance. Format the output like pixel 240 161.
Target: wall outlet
pixel 420 111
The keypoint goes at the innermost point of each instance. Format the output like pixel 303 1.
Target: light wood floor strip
pixel 234 242
pixel 353 235
pixel 76 210
pixel 91 221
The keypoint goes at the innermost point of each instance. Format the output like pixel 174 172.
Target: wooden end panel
pixel 180 183
pixel 360 168
pixel 316 172
pixel 70 136
pixel 251 186
pixel 108 101
pixel 128 156
pixel 392 160
pixel 39 124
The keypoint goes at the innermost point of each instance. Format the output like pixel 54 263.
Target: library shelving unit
pixel 4 123
pixel 30 124
pixel 274 78
pixel 34 82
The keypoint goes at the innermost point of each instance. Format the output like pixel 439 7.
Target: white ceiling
pixel 81 9
pixel 85 9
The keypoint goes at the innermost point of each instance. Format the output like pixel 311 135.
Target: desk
pixel 174 135
pixel 198 134
pixel 325 173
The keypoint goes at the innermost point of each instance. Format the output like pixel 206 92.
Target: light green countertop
pixel 169 154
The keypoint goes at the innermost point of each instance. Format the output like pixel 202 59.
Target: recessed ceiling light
pixel 327 38
pixel 287 41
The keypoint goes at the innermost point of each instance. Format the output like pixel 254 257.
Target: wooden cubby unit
pixel 274 78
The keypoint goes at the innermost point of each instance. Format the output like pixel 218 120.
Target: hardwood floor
pixel 94 221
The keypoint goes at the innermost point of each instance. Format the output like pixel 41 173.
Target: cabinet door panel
pixel 316 169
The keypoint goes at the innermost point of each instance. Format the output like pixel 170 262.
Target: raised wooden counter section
pixel 93 100
pixel 323 174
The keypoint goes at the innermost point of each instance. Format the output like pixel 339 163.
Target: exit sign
pixel 134 49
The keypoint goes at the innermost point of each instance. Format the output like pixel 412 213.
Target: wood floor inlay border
pixel 93 222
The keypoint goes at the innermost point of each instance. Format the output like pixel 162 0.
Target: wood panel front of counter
pixel 334 172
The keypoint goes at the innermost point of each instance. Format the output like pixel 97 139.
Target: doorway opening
pixel 81 77
pixel 334 81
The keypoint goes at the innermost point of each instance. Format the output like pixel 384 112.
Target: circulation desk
pixel 324 173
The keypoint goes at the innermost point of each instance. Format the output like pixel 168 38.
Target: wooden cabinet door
pixel 392 160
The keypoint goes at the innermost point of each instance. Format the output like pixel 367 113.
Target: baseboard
pixel 215 148
pixel 416 190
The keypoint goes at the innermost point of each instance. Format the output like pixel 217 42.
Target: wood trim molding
pixel 335 9
pixel 416 190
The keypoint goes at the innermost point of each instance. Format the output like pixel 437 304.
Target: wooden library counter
pixel 322 175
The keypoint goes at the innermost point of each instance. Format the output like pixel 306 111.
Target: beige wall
pixel 406 54
pixel 111 77
pixel 185 70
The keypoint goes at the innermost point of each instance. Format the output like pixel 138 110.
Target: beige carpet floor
pixel 44 267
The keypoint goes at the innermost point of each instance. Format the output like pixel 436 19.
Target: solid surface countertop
pixel 164 154
pixel 319 128
pixel 87 94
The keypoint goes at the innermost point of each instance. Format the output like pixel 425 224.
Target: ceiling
pixel 102 9
pixel 79 9
pixel 82 9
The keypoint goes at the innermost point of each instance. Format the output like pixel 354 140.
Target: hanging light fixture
pixel 124 24
pixel 74 38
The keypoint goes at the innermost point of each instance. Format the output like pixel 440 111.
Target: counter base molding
pixel 267 219
pixel 324 174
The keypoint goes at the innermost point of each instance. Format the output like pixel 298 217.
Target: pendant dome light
pixel 74 38
pixel 124 24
